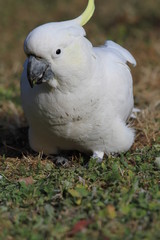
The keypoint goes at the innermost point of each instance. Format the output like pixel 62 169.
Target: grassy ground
pixel 118 199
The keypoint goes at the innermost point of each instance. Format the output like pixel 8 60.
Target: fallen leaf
pixel 74 193
pixel 79 226
pixel 27 181
pixel 111 212
pixel 78 201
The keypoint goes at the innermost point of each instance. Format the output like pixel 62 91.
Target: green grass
pixel 10 94
pixel 120 197
pixel 117 199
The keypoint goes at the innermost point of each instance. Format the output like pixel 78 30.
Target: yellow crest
pixel 87 14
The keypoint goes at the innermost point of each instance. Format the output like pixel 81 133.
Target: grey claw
pixel 98 156
pixel 61 161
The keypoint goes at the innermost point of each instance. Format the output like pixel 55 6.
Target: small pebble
pixel 157 162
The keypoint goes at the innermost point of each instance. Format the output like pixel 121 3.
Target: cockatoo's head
pixel 59 51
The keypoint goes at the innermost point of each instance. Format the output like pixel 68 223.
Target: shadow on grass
pixel 14 142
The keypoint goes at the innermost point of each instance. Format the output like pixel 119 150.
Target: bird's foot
pixel 134 113
pixel 98 156
pixel 61 161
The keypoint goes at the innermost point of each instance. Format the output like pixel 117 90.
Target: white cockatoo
pixel 76 96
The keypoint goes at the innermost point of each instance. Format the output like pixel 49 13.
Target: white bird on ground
pixel 76 96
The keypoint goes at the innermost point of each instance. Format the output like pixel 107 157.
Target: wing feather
pixel 124 54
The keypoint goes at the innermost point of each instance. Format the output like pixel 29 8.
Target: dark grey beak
pixel 38 71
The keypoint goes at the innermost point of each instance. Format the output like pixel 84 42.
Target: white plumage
pixel 85 94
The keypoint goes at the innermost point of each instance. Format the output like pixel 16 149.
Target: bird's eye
pixel 58 51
